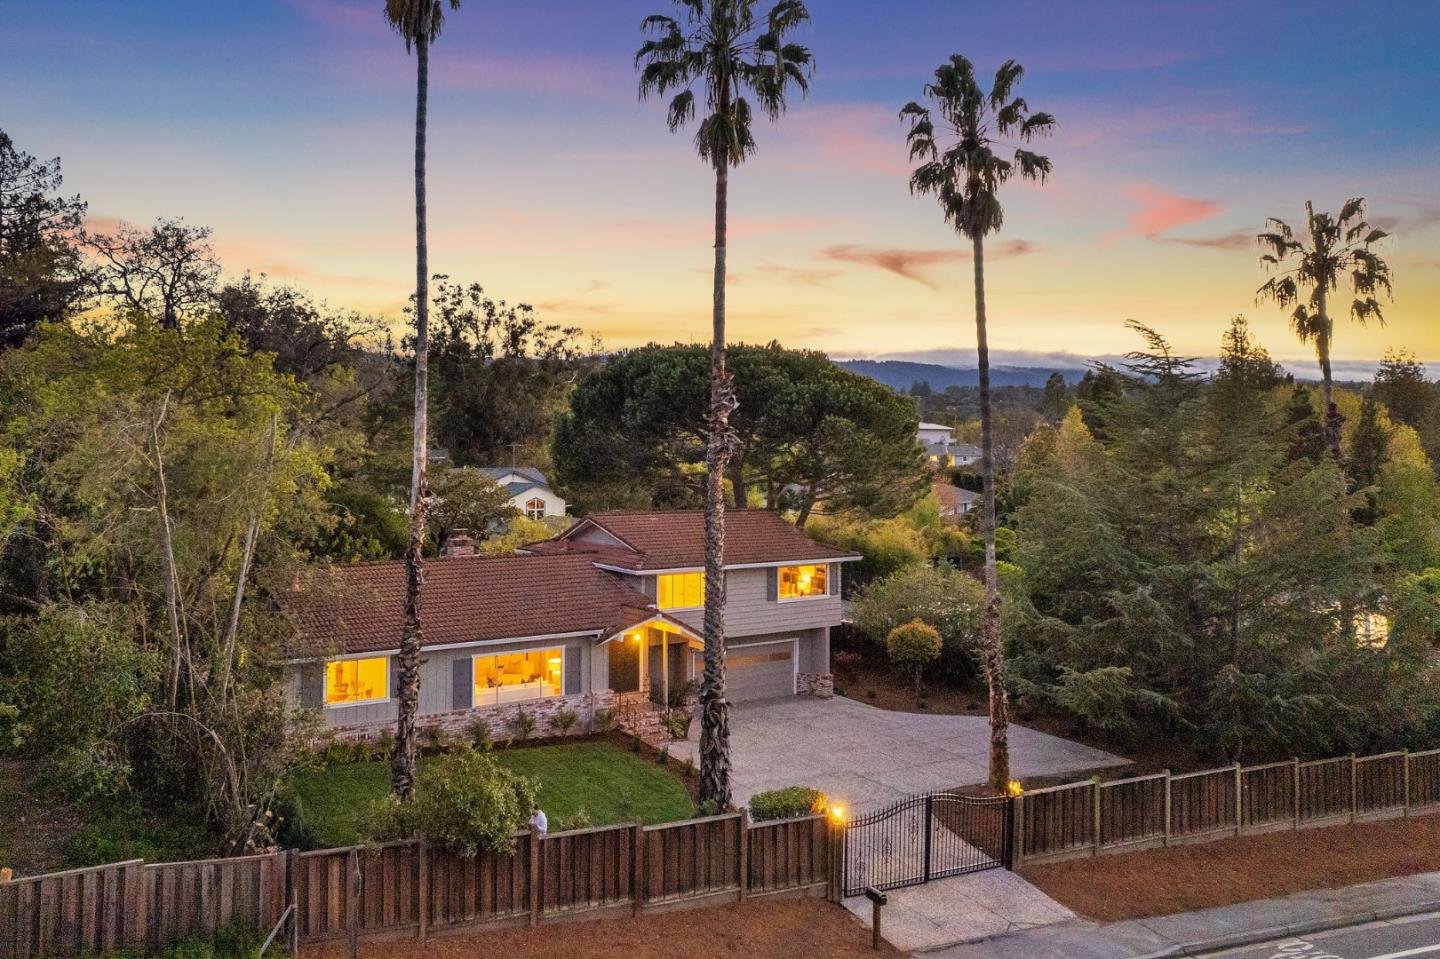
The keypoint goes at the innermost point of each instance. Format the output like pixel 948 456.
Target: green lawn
pixel 609 783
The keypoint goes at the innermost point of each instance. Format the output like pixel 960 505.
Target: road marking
pixel 1408 952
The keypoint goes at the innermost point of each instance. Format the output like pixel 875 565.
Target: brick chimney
pixel 460 543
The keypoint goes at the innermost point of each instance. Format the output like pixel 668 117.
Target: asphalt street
pixel 1398 939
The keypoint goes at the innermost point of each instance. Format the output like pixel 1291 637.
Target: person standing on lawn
pixel 538 823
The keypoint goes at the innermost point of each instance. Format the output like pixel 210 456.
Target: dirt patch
pixel 770 929
pixel 1184 878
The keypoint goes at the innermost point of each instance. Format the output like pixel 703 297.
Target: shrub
pixel 604 720
pixel 479 733
pixel 677 723
pixel 563 721
pixel 522 725
pixel 435 739
pixel 580 819
pixel 913 646
pixel 464 802
pixel 786 803
pixel 944 597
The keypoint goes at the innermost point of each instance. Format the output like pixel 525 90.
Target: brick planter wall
pixel 496 718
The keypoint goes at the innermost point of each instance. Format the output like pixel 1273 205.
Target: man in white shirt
pixel 538 823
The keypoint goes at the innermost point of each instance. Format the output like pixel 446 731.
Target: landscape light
pixel 1013 788
pixel 837 813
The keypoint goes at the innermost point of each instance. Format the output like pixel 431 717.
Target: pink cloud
pixel 1238 240
pixel 914 264
pixel 857 138
pixel 1161 212
pixel 354 17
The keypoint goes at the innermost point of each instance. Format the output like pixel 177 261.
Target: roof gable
pixel 676 539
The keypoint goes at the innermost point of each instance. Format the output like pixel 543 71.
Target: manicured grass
pixel 610 784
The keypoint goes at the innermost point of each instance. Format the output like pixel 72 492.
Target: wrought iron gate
pixel 926 837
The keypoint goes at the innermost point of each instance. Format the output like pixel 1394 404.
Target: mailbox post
pixel 877 899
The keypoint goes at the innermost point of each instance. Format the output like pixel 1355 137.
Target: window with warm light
pixel 351 681
pixel 517 677
pixel 681 591
pixel 535 508
pixel 803 582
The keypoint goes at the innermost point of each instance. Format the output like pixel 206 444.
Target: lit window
pixel 799 582
pixel 681 591
pixel 517 677
pixel 535 508
pixel 357 681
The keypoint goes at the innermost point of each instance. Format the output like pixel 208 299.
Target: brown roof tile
pixel 466 599
pixel 675 539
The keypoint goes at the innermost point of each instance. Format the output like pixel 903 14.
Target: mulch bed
pixel 767 929
pixel 1184 878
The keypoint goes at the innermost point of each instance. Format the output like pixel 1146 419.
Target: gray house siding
pixel 750 609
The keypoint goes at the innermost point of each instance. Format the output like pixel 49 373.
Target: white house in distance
pixel 941 449
pixel 529 491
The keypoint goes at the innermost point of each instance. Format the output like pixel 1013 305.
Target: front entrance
pixel 668 664
pixel 926 837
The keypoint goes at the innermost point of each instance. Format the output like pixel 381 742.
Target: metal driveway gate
pixel 926 837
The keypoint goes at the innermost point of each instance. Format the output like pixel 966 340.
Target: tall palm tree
pixel 1329 248
pixel 419 22
pixel 725 49
pixel 963 168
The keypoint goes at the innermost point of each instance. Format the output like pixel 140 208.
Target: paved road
pixel 1418 936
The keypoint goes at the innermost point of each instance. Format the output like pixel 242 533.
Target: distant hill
pixel 901 374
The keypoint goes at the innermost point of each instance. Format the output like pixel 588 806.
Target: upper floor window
pixel 350 681
pixel 800 582
pixel 681 591
pixel 535 508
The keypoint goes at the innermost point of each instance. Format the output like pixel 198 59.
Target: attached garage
pixel 760 670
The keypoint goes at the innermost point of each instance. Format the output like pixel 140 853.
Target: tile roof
pixel 675 539
pixel 526 472
pixel 466 599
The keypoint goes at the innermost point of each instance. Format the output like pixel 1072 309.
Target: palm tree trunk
pixel 714 710
pixel 1333 419
pixel 992 641
pixel 402 760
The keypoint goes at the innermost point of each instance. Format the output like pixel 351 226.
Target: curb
pixel 1255 936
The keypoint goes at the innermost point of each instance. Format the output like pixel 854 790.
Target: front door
pixel 625 656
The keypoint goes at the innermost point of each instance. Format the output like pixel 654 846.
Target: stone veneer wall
pixel 815 684
pixel 496 718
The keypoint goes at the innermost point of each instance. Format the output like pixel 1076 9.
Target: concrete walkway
pixel 986 904
pixel 864 757
pixel 1212 930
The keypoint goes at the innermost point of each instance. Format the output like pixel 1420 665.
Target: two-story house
pixel 611 608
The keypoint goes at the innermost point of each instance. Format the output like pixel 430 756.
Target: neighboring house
pixel 954 501
pixel 941 450
pixel 610 610
pixel 529 491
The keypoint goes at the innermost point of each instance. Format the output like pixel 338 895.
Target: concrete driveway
pixel 864 757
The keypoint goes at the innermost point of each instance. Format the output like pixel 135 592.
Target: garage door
pixel 760 671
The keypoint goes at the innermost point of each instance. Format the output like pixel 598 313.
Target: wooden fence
pixel 411 888
pixel 1092 818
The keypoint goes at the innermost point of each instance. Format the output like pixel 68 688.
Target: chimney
pixel 460 543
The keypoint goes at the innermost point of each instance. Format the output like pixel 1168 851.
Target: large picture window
pixel 350 681
pixel 681 591
pixel 518 677
pixel 802 582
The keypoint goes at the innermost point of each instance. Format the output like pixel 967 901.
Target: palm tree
pixel 1330 248
pixel 722 47
pixel 963 168
pixel 419 23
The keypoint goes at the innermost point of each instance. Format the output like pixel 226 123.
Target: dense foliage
pixel 786 803
pixel 464 801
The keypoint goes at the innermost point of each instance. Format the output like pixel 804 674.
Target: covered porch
pixel 655 658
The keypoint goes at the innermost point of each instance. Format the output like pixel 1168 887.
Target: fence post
pixel 1167 808
pixel 1405 758
pixel 1095 846
pixel 352 905
pixel 292 895
pixel 535 841
pixel 637 873
pixel 1017 832
pixel 1239 799
pixel 744 852
pixel 422 895
pixel 136 932
pixel 929 830
pixel 1295 780
pixel 1354 789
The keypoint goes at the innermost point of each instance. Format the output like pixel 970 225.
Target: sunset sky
pixel 286 125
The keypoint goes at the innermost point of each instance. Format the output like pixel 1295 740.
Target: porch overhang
pixel 653 618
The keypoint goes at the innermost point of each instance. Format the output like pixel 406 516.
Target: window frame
pixel 325 687
pixel 531 512
pixel 780 596
pixel 475 690
pixel 682 609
